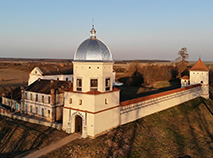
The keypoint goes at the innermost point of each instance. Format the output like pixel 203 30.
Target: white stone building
pixel 92 106
pixel 199 73
pixel 45 98
pixel 62 73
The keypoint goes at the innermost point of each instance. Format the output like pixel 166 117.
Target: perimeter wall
pixel 134 109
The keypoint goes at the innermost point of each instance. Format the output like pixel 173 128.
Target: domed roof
pixel 93 49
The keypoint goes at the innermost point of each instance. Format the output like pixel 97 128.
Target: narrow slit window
pixel 80 101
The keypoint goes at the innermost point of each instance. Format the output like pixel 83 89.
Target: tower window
pixel 201 81
pixel 107 84
pixel 79 84
pixel 93 84
pixel 70 100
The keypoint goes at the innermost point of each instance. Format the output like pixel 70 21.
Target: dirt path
pixel 53 146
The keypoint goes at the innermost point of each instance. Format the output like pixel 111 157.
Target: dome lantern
pixel 93 32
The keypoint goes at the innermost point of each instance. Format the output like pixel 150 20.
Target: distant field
pixel 12 78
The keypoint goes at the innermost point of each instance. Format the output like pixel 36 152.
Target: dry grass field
pixel 12 78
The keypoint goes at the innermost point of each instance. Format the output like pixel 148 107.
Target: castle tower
pixel 92 105
pixel 199 73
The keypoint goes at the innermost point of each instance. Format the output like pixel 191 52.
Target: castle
pixel 92 105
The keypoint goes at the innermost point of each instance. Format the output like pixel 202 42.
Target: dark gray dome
pixel 93 49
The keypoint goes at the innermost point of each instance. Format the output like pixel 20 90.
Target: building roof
pixel 44 86
pixel 56 70
pixel 199 66
pixel 93 49
pixel 185 77
pixel 15 94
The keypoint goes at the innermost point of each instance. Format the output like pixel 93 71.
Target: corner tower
pixel 199 73
pixel 92 105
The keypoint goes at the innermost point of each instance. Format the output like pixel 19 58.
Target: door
pixel 78 124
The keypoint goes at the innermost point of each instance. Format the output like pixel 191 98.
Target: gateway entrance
pixel 78 124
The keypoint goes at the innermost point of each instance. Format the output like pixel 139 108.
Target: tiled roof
pixel 199 66
pixel 137 100
pixel 185 77
pixel 44 86
pixel 56 70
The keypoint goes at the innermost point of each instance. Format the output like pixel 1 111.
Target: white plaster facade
pixel 99 108
pixel 201 77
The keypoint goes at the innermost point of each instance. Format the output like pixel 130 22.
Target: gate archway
pixel 78 124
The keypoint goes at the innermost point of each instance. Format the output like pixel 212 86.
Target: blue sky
pixel 133 29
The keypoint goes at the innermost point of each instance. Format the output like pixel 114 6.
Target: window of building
pixel 48 113
pixel 107 84
pixel 31 96
pixel 42 99
pixel 26 95
pixel 48 100
pixel 35 72
pixel 36 97
pixel 31 109
pixel 106 101
pixel 42 112
pixel 93 84
pixel 67 79
pixel 80 101
pixel 36 110
pixel 201 81
pixel 79 84
pixel 70 101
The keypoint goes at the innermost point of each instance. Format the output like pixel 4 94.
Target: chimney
pixel 3 94
pixel 52 92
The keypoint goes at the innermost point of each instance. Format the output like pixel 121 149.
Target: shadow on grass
pixel 30 138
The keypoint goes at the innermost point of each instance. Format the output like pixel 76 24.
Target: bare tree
pixel 182 60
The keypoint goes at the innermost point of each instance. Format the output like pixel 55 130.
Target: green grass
pixel 184 130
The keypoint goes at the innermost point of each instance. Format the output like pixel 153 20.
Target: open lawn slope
pixel 18 137
pixel 183 131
